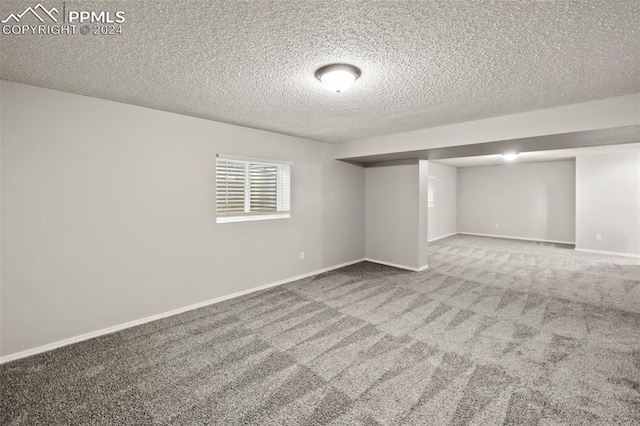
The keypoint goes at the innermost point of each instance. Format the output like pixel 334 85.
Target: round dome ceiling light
pixel 510 156
pixel 338 77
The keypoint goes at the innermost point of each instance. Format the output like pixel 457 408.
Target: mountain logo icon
pixel 43 12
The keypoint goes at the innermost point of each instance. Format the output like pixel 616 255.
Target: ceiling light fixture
pixel 338 77
pixel 510 157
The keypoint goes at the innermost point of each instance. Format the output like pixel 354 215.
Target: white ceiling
pixel 539 156
pixel 424 63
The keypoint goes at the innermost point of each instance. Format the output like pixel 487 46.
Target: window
pixel 430 195
pixel 252 189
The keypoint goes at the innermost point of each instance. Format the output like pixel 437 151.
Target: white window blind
pixel 252 189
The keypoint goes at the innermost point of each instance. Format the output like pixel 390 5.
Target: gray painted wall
pixel 528 200
pixel 108 214
pixel 608 202
pixel 443 216
pixel 393 214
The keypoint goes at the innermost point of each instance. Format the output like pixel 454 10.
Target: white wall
pixel 528 200
pixel 1 345
pixel 392 213
pixel 423 214
pixel 601 114
pixel 108 214
pixel 608 202
pixel 443 216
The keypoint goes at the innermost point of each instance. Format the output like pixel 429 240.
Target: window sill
pixel 231 219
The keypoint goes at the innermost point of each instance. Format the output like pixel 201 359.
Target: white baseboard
pixel 108 330
pixel 396 265
pixel 610 253
pixel 516 238
pixel 444 236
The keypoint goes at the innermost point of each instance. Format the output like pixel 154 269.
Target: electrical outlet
pixel 497 225
pixel 598 237
pixel 301 255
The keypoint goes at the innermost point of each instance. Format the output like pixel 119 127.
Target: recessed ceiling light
pixel 338 77
pixel 510 157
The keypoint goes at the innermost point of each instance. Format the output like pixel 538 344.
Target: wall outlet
pixel 301 255
pixel 598 237
pixel 497 225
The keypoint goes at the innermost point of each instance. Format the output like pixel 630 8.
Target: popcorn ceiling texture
pixel 424 63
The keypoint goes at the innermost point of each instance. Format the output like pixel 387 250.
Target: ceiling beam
pixel 590 138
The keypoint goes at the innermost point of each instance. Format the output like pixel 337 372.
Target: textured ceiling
pixel 424 63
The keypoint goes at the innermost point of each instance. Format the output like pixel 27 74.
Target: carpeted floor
pixel 495 332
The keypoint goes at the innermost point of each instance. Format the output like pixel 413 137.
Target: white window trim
pixel 252 159
pixel 249 218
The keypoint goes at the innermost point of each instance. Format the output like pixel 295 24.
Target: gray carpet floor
pixel 495 332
